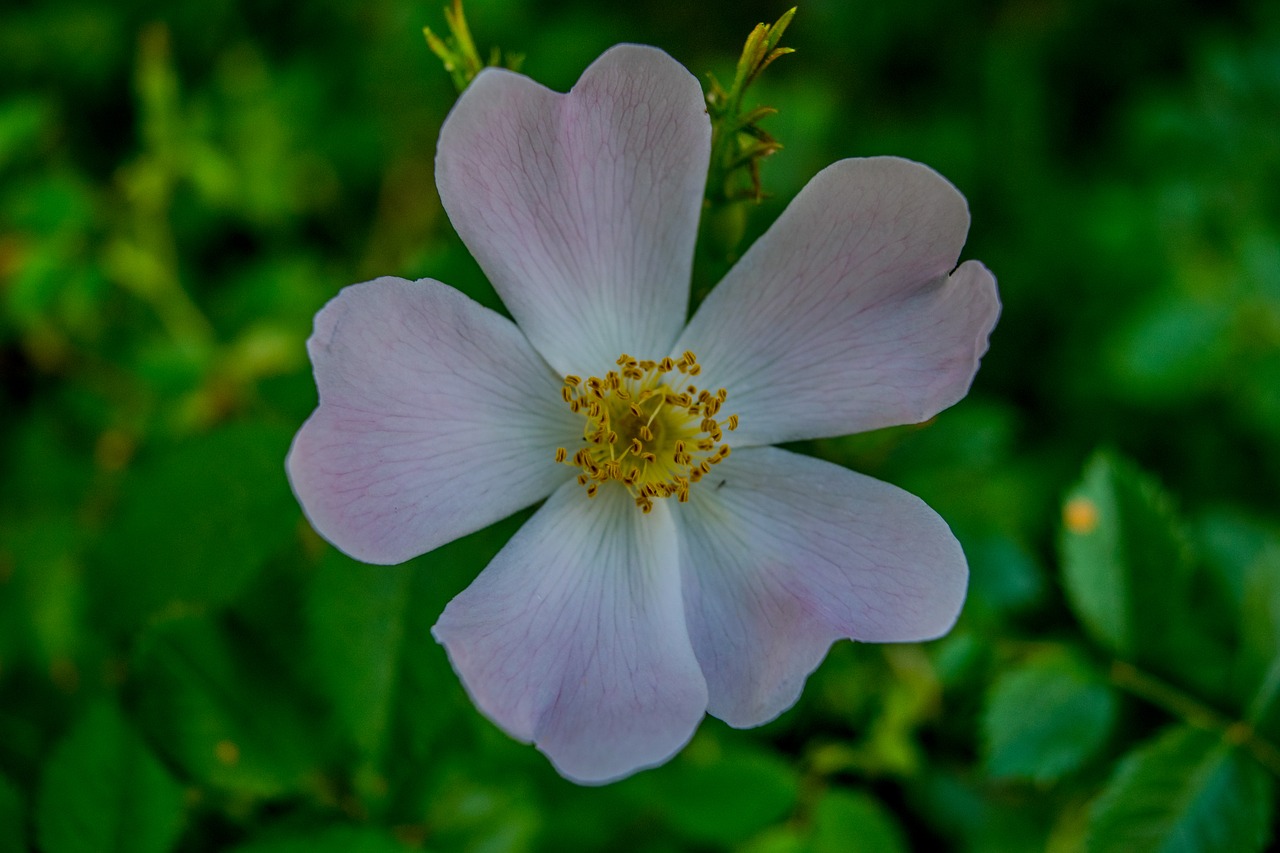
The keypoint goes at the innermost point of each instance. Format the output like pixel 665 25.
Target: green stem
pixel 1192 711
pixel 1260 707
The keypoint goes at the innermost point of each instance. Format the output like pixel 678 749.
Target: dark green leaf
pixel 368 628
pixel 723 798
pixel 1004 577
pixel 337 839
pixel 1124 560
pixel 104 791
pixel 1185 792
pixel 368 625
pixel 1231 540
pixel 715 792
pixel 777 839
pixel 475 817
pixel 43 590
pixel 1174 349
pixel 853 822
pixel 13 835
pixel 224 714
pixel 195 524
pixel 1260 612
pixel 1046 718
pixel 21 122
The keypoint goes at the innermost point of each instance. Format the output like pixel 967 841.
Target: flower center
pixel 646 428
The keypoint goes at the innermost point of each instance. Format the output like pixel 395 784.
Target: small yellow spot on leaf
pixel 227 753
pixel 1080 515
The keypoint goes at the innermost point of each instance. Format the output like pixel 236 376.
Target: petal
pixel 436 418
pixel 842 317
pixel 583 208
pixel 574 637
pixel 783 554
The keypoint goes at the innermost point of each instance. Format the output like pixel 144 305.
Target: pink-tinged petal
pixel 583 208
pixel 782 554
pixel 436 418
pixel 574 637
pixel 842 317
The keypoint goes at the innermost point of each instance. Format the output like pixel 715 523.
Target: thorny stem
pixel 1145 686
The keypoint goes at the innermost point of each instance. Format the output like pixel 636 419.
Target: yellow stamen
pixel 667 434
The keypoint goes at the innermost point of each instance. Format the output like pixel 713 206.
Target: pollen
pixel 646 428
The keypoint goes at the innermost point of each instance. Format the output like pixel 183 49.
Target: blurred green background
pixel 184 665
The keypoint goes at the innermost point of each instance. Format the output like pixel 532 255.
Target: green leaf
pixel 1174 349
pixel 1185 792
pixel 195 525
pixel 853 822
pixel 43 599
pixel 223 712
pixel 22 120
pixel 13 835
pixel 337 839
pixel 716 793
pixel 1125 561
pixel 368 629
pixel 1046 718
pixel 466 814
pixel 104 791
pixel 724 798
pixel 777 839
pixel 1260 610
pixel 359 620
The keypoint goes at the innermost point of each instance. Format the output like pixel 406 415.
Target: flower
pixel 664 577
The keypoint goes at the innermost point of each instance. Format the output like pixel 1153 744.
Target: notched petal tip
pixel 582 208
pixel 844 316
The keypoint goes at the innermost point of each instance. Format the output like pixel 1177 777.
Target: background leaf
pixel 853 822
pixel 720 797
pixel 1045 718
pixel 337 839
pixel 1128 574
pixel 1185 792
pixel 103 791
pixel 1124 561
pixel 195 524
pixel 370 633
pixel 230 717
pixel 13 833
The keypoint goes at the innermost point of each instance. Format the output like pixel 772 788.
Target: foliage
pixel 185 666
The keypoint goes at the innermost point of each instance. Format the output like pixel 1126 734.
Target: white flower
pixel 644 593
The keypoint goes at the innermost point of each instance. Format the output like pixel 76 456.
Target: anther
pixel 669 431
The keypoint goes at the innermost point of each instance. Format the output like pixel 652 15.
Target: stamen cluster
pixel 646 428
